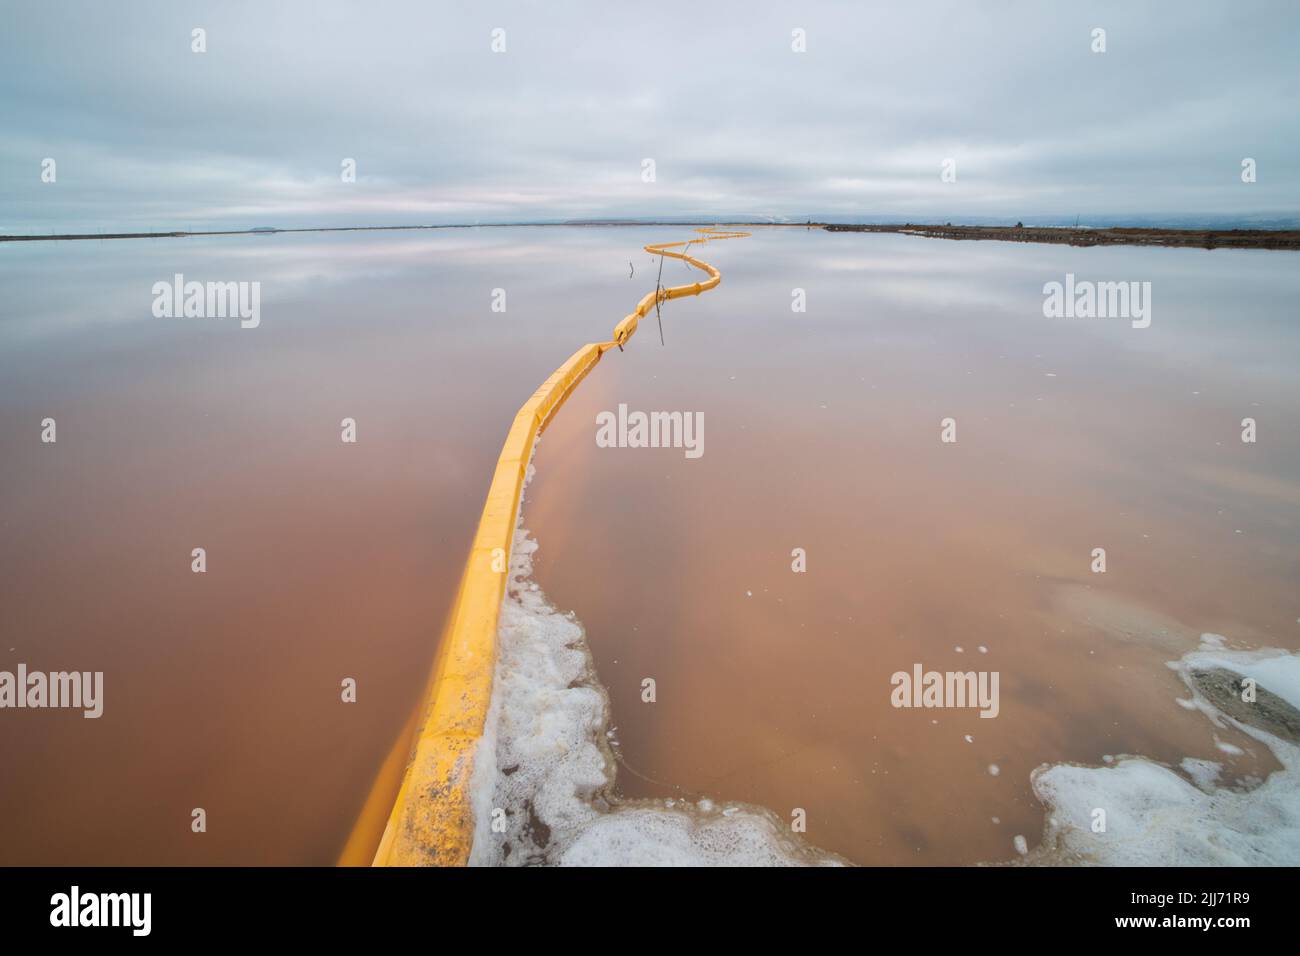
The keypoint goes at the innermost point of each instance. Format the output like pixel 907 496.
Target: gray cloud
pixel 147 134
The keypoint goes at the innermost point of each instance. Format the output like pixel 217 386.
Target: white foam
pixel 545 760
pixel 1204 773
pixel 647 834
pixel 1155 817
pixel 1274 669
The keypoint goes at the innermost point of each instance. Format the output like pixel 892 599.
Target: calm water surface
pixel 328 560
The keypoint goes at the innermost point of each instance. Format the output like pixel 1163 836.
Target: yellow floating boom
pixel 431 821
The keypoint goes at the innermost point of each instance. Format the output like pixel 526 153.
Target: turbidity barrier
pixel 430 820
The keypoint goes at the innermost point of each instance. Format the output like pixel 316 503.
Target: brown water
pixel 329 560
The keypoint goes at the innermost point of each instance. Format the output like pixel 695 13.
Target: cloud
pixel 148 134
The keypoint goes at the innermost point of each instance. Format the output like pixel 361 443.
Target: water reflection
pixel 329 560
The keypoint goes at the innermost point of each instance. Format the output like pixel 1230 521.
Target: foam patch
pixel 1156 817
pixel 544 771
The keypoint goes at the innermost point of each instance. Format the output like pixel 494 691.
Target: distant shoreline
pixel 1279 239
pixel 1288 239
pixel 184 233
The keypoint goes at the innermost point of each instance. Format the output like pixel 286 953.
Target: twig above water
pixel 658 285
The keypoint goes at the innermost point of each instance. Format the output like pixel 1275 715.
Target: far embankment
pixel 1287 239
pixel 1110 236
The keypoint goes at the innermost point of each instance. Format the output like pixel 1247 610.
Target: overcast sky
pixel 146 133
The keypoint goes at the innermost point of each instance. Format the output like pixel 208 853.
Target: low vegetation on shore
pixel 1112 236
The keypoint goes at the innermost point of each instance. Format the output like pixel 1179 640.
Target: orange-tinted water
pixel 329 560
